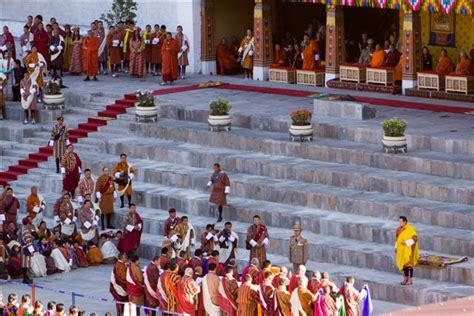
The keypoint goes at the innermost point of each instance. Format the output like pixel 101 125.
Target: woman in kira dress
pixel 137 55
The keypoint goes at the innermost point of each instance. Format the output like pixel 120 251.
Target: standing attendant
pixel 106 195
pixel 41 39
pixel 298 249
pixel 151 274
pixel 114 38
pixel 9 208
pixel 26 41
pixel 18 75
pixel 171 222
pixel 86 186
pixel 247 298
pixel 35 206
pixel 67 47
pixel 71 170
pixel 88 221
pixel 59 140
pixel 132 231
pixel 406 249
pixel 246 52
pixel 137 58
pixel 32 61
pixel 186 234
pixel 169 56
pixel 187 293
pixel 124 173
pixel 27 250
pixel 118 283
pixel 257 239
pixel 102 38
pixel 91 56
pixel 76 63
pixel 183 43
pixel 220 188
pixel 228 241
pixel 135 283
pixel 8 42
pixel 28 91
pixel 147 37
pixel 56 51
pixel 156 45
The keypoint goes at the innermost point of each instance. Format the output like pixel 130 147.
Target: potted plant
pixel 301 128
pixel 394 135
pixel 53 99
pixel 219 115
pixel 145 109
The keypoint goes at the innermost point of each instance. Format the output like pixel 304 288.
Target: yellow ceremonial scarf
pixel 125 39
pixel 406 255
pixel 145 35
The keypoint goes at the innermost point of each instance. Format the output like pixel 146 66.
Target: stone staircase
pixel 343 190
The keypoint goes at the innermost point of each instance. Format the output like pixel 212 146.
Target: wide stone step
pixel 340 175
pixel 384 286
pixel 336 151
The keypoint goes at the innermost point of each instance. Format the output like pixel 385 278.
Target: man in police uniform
pixel 298 249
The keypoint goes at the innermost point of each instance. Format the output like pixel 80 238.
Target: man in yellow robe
pixel 378 57
pixel 406 249
pixel 124 173
pixel 246 51
pixel 35 205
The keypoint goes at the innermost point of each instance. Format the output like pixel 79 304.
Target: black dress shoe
pixel 87 79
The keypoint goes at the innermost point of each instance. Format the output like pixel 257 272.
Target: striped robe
pixel 171 290
pixel 60 136
pixel 246 301
pixel 187 291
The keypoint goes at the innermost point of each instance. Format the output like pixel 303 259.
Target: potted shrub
pixel 145 109
pixel 301 128
pixel 394 135
pixel 219 115
pixel 53 99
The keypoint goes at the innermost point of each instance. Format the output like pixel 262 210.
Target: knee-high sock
pixel 57 165
pixel 220 210
pixel 109 220
pixel 121 200
pixel 102 221
pixel 129 198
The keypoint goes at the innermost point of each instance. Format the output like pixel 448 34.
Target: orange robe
pixel 279 58
pixel 31 202
pixel 246 301
pixel 378 58
pixel 33 58
pixel 444 67
pixel 308 55
pixel 91 56
pixel 399 70
pixel 226 60
pixel 463 67
pixel 169 55
pixel 94 256
pixel 306 299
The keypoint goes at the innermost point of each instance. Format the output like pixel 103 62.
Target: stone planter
pixel 219 123
pixel 394 144
pixel 54 101
pixel 301 133
pixel 146 113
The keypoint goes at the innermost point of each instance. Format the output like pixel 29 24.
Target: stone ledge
pixel 343 109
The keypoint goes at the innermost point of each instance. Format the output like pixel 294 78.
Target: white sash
pixel 224 253
pixel 211 309
pixel 102 45
pixel 187 240
pixel 162 291
pixel 119 289
pixel 122 192
pixel 148 285
pixel 247 49
pixel 56 55
pixel 25 104
pixel 67 230
pixel 296 306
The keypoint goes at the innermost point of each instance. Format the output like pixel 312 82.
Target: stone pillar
pixel 335 41
pixel 411 36
pixel 208 54
pixel 263 56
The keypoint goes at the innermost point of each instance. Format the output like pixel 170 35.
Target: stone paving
pixel 344 191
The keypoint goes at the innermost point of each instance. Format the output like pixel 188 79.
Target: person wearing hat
pixel 298 248
pixel 366 53
pixel 59 140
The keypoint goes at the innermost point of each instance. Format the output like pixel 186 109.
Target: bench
pixel 313 78
pixel 352 72
pixel 460 83
pixel 381 75
pixel 430 80
pixel 282 74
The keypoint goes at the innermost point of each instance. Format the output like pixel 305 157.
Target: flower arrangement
pixel 53 87
pixel 220 107
pixel 210 84
pixel 301 117
pixel 145 98
pixel 394 127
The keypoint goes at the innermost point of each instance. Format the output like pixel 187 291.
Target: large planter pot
pixel 301 133
pixel 219 122
pixel 54 101
pixel 146 113
pixel 394 144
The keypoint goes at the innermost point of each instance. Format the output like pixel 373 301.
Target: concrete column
pixel 263 55
pixel 411 51
pixel 335 46
pixel 208 54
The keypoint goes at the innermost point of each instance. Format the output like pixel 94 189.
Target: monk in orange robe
pixel 226 59
pixel 309 52
pixel 169 55
pixel 91 56
pixel 464 65
pixel 94 255
pixel 378 57
pixel 444 66
pixel 279 57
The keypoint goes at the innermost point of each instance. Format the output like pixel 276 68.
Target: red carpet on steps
pixel 113 110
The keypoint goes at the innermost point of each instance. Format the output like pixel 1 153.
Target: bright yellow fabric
pixel 406 255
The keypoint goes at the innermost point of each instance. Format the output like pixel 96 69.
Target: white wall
pixel 81 12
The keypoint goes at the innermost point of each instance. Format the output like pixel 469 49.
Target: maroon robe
pixel 152 274
pixel 9 207
pixel 71 180
pixel 266 299
pixel 41 39
pixel 9 41
pixel 131 240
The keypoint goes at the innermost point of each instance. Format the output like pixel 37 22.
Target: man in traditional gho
pixel 406 249
pixel 86 185
pixel 28 92
pixel 171 288
pixel 59 140
pixel 35 206
pixel 88 222
pixel 71 170
pixel 132 231
pixel 257 239
pixel 266 297
pixel 228 291
pixel 27 248
pixel 114 39
pixel 66 217
pixel 171 222
pixel 7 68
pixel 135 285
pixel 187 292
pixel 196 260
pixel 181 262
pixel 171 244
pixel 156 44
pixel 7 42
pixel 298 249
pixel 302 299
pixel 214 258
pixel 56 51
pixel 283 297
pixel 186 236
pixel 352 297
pixel 247 298
pixel 33 60
pixel 246 51
pixel 147 37
pixel 106 195
pixel 102 38
pixel 151 275
pixel 220 188
pixel 208 239
pixel 210 291
pixel 161 291
pixel 252 270
pixel 118 283
pixel 40 40
pixel 124 173
pixel 183 43
pixel 9 208
pixel 300 273
pixel 227 241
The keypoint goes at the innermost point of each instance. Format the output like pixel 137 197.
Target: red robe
pixel 266 299
pixel 41 39
pixel 169 64
pixel 91 56
pixel 10 42
pixel 71 180
pixel 151 276
pixel 186 292
pixel 131 240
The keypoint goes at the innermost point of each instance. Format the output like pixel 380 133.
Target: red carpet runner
pixel 121 106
